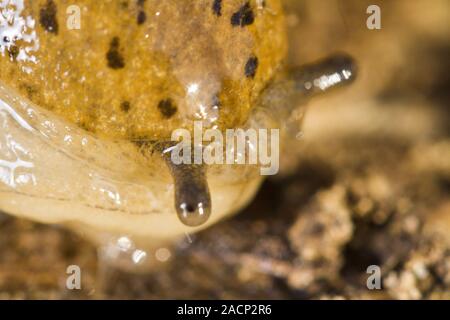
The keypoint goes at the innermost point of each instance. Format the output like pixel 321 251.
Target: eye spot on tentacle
pixel 125 106
pixel 167 108
pixel 115 59
pixel 47 17
pixel 217 7
pixel 251 66
pixel 243 17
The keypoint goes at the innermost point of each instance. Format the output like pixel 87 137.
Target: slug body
pixel 84 113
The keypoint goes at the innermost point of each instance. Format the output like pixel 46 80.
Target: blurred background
pixel 367 184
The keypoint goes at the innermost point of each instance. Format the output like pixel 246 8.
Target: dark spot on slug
pixel 217 7
pixel 30 90
pixel 47 17
pixel 115 59
pixel 13 52
pixel 85 126
pixel 141 17
pixel 125 106
pixel 167 108
pixel 115 42
pixel 243 17
pixel 251 66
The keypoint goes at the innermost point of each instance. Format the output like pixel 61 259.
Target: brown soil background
pixel 368 183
